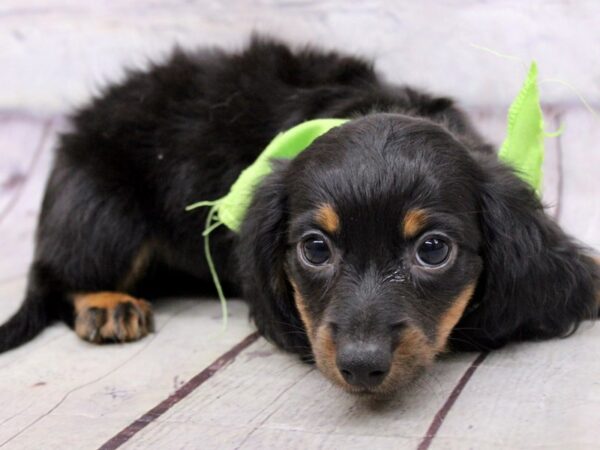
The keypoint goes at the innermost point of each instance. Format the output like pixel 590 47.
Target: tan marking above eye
pixel 413 222
pixel 328 218
pixel 451 317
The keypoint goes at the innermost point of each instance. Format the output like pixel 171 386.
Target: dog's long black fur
pixel 183 131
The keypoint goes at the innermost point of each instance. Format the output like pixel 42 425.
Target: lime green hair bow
pixel 231 209
pixel 523 149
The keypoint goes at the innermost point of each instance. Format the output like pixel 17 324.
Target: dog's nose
pixel 364 365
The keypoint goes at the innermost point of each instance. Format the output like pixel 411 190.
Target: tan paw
pixel 112 317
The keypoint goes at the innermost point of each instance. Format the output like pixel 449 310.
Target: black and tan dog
pixel 390 239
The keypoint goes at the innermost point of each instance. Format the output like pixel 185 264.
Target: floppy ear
pixel 537 282
pixel 261 258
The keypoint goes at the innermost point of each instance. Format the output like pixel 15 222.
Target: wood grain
pixel 59 384
pixel 56 54
pixel 19 216
pixel 580 146
pixel 21 140
pixel 542 395
pixel 268 399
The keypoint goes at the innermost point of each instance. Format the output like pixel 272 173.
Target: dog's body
pixel 359 203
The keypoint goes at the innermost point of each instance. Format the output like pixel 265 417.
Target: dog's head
pixel 368 249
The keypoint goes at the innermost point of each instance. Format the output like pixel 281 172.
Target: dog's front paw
pixel 112 317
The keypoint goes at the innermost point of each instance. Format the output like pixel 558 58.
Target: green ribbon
pixel 523 148
pixel 230 210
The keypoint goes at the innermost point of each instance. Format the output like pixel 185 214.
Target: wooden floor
pixel 190 385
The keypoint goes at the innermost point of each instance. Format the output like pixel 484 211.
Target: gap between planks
pixel 189 387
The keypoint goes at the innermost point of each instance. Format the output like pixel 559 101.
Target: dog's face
pixel 382 250
pixel 367 249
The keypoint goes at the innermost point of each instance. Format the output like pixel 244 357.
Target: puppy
pixel 389 240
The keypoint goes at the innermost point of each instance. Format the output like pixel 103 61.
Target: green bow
pixel 523 148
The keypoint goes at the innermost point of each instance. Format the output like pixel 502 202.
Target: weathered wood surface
pixel 27 144
pixel 580 189
pixel 54 52
pixel 268 400
pixel 20 139
pixel 534 395
pixel 59 391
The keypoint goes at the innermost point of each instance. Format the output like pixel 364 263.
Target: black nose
pixel 364 365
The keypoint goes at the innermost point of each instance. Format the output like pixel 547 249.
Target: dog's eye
pixel 315 250
pixel 433 251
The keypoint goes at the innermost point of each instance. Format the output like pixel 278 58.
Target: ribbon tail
pixel 211 224
pixel 201 204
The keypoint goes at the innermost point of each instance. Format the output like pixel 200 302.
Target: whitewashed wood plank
pixel 294 439
pixel 57 384
pixel 18 225
pixel 534 395
pixel 184 435
pixel 20 138
pixel 268 399
pixel 11 295
pixel 55 53
pixel 492 125
pixel 580 207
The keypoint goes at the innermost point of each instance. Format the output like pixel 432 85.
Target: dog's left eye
pixel 433 251
pixel 315 250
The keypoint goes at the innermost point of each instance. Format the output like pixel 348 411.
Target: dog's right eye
pixel 315 250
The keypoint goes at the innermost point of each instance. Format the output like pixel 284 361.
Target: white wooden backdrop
pixel 190 386
pixel 54 52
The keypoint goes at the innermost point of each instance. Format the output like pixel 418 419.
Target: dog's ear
pixel 261 259
pixel 537 282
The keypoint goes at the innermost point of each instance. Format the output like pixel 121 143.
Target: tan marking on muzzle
pixel 452 316
pixel 303 310
pixel 321 342
pixel 325 352
pixel 413 353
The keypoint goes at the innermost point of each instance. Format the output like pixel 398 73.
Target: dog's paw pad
pixel 112 317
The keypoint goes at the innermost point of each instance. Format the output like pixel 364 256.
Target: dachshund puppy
pixel 391 239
